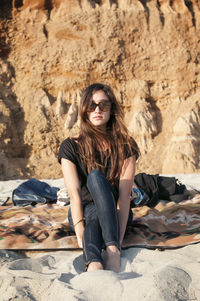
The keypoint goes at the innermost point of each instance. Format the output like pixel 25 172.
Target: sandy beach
pixel 148 52
pixel 59 275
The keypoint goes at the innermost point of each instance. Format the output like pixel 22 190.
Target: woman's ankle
pixel 94 266
pixel 112 249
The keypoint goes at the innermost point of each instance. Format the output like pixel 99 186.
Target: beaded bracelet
pixel 81 220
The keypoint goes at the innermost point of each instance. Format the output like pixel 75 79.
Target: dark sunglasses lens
pixel 92 107
pixel 103 106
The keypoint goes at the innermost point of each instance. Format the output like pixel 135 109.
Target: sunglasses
pixel 104 106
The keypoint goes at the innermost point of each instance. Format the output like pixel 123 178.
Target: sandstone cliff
pixel 148 51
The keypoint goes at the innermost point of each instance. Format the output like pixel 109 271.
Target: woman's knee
pixel 93 176
pixel 94 173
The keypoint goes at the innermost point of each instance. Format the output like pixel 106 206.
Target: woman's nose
pixel 97 109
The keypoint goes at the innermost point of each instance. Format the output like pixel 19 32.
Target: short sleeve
pixel 133 151
pixel 68 150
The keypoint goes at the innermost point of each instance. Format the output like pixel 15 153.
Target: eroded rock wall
pixel 148 51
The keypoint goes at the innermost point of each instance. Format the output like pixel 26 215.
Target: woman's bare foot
pixel 112 259
pixel 94 266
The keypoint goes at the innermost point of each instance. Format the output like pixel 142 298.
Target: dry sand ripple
pixel 148 275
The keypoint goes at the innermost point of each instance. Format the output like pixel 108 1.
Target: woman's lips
pixel 98 117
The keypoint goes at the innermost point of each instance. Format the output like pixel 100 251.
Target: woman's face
pixel 99 115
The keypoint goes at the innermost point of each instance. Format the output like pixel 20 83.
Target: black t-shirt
pixel 69 150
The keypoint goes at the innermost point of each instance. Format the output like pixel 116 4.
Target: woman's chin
pixel 98 123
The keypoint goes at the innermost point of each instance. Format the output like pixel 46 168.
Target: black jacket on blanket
pixel 160 188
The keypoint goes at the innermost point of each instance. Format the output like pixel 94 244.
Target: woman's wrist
pixel 79 221
pixel 79 229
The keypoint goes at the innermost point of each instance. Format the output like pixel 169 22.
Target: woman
pixel 98 167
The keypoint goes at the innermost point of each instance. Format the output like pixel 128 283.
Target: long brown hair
pixel 116 136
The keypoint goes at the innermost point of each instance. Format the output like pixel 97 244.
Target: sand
pixel 59 275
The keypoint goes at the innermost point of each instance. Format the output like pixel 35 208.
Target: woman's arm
pixel 73 188
pixel 125 186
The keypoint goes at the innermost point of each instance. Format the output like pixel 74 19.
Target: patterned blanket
pixel 43 227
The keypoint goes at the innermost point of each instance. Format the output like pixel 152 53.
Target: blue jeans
pixel 101 220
